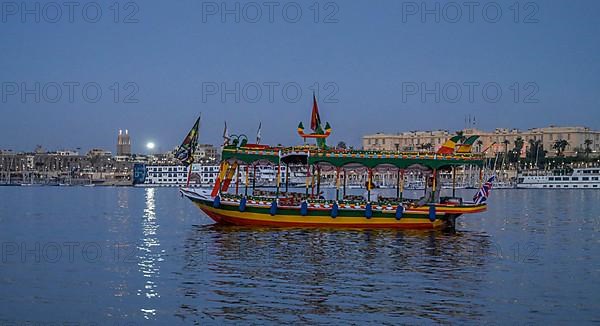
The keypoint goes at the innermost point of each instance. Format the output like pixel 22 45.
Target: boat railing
pixel 353 201
pixel 397 154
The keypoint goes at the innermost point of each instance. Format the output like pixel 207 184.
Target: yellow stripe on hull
pixel 248 218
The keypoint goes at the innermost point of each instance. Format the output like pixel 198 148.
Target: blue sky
pixel 364 56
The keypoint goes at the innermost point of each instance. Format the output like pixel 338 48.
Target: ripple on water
pixel 532 257
pixel 279 275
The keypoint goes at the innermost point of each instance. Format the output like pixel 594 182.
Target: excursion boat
pixel 282 208
pixel 579 178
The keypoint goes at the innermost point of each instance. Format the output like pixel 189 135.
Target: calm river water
pixel 121 256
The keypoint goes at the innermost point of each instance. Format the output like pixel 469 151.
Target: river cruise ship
pixel 174 175
pixel 579 178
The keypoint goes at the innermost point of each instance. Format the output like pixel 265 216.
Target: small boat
pixel 281 208
pixel 504 185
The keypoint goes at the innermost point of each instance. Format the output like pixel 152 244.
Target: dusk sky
pixel 367 57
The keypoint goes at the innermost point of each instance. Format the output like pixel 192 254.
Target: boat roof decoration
pixel 240 151
pixel 340 158
pixel 319 134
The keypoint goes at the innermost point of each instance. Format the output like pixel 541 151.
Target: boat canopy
pixel 311 155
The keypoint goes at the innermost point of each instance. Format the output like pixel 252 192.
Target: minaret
pixel 120 142
pixel 126 143
pixel 123 143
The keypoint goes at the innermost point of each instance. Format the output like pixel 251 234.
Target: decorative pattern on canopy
pixel 340 158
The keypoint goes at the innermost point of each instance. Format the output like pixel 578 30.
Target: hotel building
pixel 417 140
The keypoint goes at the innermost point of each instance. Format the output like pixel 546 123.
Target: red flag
pixel 315 119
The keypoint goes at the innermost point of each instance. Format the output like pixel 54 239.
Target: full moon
pixel 150 145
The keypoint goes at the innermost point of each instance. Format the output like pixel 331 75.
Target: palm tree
pixel 530 157
pixel 560 145
pixel 519 142
pixel 556 146
pixel 505 142
pixel 534 151
pixel 461 134
pixel 479 145
pixel 588 149
pixel 564 144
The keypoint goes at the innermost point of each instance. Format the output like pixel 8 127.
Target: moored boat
pixel 578 178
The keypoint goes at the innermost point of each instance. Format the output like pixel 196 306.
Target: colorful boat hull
pixel 260 214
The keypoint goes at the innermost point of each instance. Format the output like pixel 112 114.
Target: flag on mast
pixel 225 135
pixel 315 119
pixel 258 136
pixel 449 146
pixel 467 145
pixel 185 151
pixel 484 192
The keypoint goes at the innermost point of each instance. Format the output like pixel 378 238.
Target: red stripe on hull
pixel 216 217
pixel 223 219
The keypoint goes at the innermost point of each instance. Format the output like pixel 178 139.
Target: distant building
pixel 67 153
pixel 405 141
pixel 494 140
pixel 98 152
pixel 123 143
pixel 206 153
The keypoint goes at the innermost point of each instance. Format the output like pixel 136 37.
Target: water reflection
pixel 150 255
pixel 531 258
pixel 309 276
